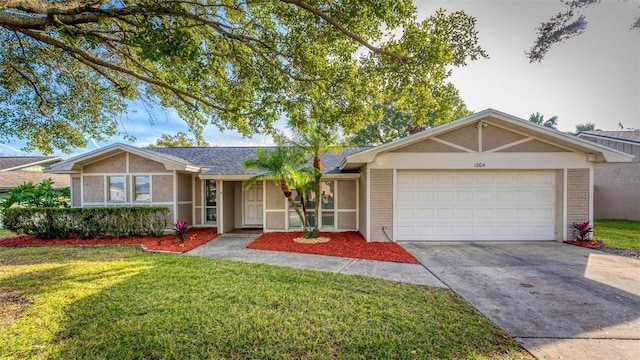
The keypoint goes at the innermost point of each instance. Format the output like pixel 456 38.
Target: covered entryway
pixel 463 205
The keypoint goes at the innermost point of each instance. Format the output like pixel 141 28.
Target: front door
pixel 253 205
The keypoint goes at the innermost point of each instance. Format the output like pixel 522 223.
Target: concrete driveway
pixel 559 301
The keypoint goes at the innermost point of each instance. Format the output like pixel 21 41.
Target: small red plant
pixel 180 227
pixel 582 229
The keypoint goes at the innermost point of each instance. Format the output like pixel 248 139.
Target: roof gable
pixel 74 164
pixel 506 131
pixel 12 163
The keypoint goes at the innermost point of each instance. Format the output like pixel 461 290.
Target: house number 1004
pixel 478 165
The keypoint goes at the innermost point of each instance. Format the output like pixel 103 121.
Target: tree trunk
pixel 293 204
pixel 287 193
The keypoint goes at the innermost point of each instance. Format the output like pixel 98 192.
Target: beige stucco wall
pixel 466 137
pixel 493 137
pixel 162 186
pixel 428 146
pixel 228 206
pixel 238 206
pixel 347 220
pixel 617 191
pixel 533 146
pixel 112 164
pixel 93 188
pixel 577 197
pixel 198 192
pixel 198 219
pixel 76 192
pixel 347 195
pixel 273 197
pixel 185 213
pixel 184 187
pixel 275 220
pixel 381 196
pixel 138 164
pixel 363 206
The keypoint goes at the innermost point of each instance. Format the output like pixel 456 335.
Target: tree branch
pixel 34 86
pixel 97 61
pixel 401 59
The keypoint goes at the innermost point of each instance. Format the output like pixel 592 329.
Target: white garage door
pixel 474 205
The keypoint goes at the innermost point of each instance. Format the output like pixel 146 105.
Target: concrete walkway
pixel 234 247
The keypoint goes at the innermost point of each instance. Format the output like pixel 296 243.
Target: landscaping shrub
pixel 50 223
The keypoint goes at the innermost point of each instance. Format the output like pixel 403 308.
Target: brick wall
pixel 577 197
pixel 381 195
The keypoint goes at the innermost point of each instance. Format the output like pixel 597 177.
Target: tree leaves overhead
pixel 68 68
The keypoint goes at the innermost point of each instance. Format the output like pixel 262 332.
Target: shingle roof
pixel 628 135
pixel 8 162
pixel 10 179
pixel 228 160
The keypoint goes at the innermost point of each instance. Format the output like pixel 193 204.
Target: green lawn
pixel 618 234
pixel 121 303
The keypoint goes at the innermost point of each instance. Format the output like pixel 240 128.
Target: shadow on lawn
pixel 166 306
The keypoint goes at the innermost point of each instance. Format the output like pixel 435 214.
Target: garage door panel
pixel 464 195
pixel 483 195
pixel 445 214
pixel 475 205
pixel 425 213
pixel 423 195
pixel 405 196
pixel 465 213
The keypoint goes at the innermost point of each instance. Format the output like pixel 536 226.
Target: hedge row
pixel 52 223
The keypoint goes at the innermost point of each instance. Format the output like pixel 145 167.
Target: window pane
pixel 142 188
pixel 211 215
pixel 327 194
pixel 294 220
pixel 210 195
pixel 328 220
pixel 116 188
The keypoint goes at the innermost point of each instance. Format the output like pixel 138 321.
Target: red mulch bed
pixel 169 242
pixel 591 244
pixel 348 244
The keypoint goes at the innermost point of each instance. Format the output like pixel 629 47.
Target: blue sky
pixel 594 77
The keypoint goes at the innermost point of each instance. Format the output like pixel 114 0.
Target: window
pixel 142 188
pixel 210 202
pixel 327 207
pixel 327 204
pixel 115 191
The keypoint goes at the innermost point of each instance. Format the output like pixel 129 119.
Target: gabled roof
pixel 631 136
pixel 11 179
pixel 12 163
pixel 228 160
pixel 206 160
pixel 74 164
pixel 603 153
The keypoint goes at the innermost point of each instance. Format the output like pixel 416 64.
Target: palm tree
pixel 538 118
pixel 283 165
pixel 316 142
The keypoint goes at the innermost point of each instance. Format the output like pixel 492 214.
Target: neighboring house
pixel 617 186
pixel 488 176
pixel 17 170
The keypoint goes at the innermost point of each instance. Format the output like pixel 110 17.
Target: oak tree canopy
pixel 68 69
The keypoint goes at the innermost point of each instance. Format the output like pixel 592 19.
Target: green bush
pixel 50 223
